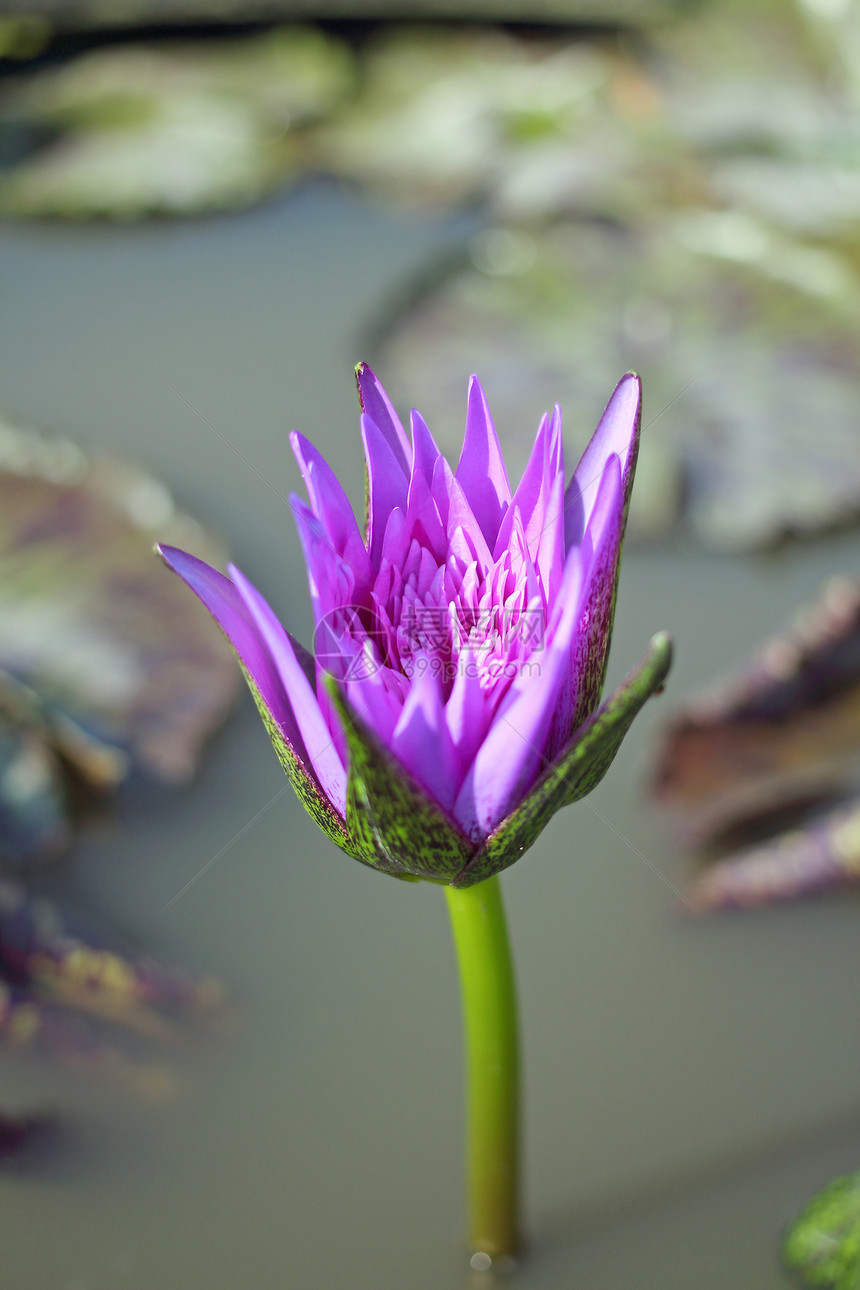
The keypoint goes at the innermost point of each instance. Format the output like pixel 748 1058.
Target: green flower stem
pixel 492 1065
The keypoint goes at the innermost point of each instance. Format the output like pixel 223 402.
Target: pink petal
pixel 617 434
pixel 329 502
pixel 481 469
pixel 514 752
pixel 425 453
pixel 468 711
pixel 333 579
pixel 309 718
pixel 421 740
pixel 387 486
pixel 537 506
pixel 227 608
pixel 422 517
pixel 376 404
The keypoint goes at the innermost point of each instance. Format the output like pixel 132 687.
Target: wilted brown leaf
pixel 763 770
pixel 123 668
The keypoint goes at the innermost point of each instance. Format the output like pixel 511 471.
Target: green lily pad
pixel 85 14
pixel 448 115
pixel 170 129
pixel 823 1243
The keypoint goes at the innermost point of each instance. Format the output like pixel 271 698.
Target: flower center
pixel 444 618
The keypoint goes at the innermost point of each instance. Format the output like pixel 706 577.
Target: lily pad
pixel 83 14
pixel 823 1244
pixel 124 670
pixel 34 823
pixel 747 343
pixel 534 126
pixel 80 998
pixel 764 768
pixel 170 129
pixel 789 717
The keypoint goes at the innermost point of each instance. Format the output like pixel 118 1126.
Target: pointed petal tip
pixel 179 561
pixel 364 375
pixel 629 379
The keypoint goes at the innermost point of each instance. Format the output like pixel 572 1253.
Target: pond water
pixel 688 1084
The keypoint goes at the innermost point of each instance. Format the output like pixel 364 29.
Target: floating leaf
pixel 33 815
pixel 123 668
pixel 87 14
pixel 86 1002
pixel 747 344
pixel 763 769
pixel 821 855
pixel 448 115
pixel 789 718
pixel 170 129
pixel 823 1244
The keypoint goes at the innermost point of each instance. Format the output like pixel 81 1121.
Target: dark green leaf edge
pixel 307 791
pixel 390 818
pixel 577 769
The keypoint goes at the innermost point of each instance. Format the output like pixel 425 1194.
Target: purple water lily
pixel 450 706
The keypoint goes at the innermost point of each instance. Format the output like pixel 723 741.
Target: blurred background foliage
pixel 673 190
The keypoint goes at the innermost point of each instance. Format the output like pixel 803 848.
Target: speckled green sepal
pixel 822 1246
pixel 389 817
pixel 307 791
pixel 577 769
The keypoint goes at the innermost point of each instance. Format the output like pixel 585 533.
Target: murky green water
pixel 687 1084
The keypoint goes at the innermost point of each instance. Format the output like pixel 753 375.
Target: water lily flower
pixel 451 703
pixel 452 700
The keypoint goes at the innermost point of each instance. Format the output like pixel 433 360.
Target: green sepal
pixel 579 767
pixel 822 1245
pixel 390 819
pixel 307 790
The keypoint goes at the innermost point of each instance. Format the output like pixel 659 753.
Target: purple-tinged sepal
pixel 306 788
pixel 578 768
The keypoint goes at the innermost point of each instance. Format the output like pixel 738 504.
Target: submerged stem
pixel 492 1065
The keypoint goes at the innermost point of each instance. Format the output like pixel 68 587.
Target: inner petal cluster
pixel 464 612
pixel 459 620
pixel 442 597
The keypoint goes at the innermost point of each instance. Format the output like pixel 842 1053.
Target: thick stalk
pixel 492 1065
